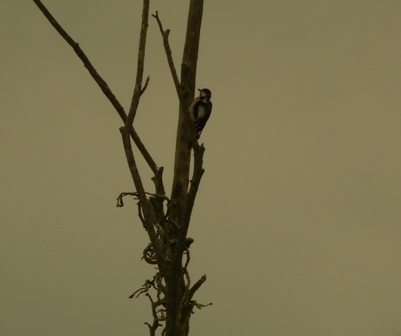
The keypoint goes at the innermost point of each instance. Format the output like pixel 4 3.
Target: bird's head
pixel 205 93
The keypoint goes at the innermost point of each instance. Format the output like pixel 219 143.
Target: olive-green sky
pixel 298 218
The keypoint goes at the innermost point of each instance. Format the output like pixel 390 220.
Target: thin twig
pixel 146 85
pixel 169 54
pixel 196 286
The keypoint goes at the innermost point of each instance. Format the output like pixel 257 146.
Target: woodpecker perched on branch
pixel 200 110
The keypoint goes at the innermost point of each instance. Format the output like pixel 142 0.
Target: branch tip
pixel 146 85
pixel 167 49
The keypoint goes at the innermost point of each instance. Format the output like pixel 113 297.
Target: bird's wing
pixel 193 107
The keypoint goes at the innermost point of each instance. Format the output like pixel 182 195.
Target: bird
pixel 200 110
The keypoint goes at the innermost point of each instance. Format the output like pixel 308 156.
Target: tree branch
pixel 149 220
pixel 138 90
pixel 142 149
pixel 196 286
pixel 146 85
pixel 101 82
pixel 88 65
pixel 169 55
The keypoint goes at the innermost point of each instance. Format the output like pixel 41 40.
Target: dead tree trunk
pixel 166 219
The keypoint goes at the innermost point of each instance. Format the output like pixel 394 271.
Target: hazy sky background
pixel 298 219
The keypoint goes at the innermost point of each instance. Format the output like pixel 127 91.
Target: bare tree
pixel 166 219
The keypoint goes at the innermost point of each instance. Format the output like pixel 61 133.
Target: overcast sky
pixel 298 218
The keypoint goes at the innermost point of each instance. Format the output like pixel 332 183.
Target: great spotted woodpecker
pixel 200 110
